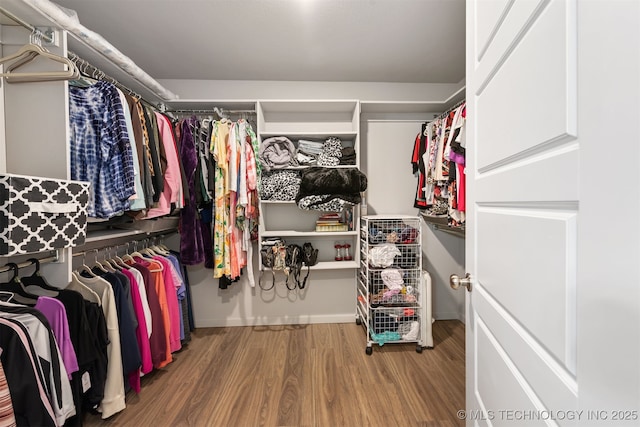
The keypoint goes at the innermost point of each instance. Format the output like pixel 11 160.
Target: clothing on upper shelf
pixel 438 160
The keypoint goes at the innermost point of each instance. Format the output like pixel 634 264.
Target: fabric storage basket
pixel 41 214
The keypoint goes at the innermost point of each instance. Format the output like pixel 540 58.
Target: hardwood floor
pixel 307 375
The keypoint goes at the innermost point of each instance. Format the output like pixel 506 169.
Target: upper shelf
pixel 413 106
pixel 208 104
pixel 349 134
pixel 440 223
pixel 309 106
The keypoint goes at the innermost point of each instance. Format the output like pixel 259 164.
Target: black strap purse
pixel 309 258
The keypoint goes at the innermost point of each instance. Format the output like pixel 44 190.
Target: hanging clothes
pixel 114 396
pixel 172 180
pixel 218 148
pixel 7 417
pixel 191 246
pixel 54 375
pixel 100 148
pixel 136 201
pixel 236 177
pixel 438 160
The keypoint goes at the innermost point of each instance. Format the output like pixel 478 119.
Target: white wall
pixel 330 296
pixel 387 147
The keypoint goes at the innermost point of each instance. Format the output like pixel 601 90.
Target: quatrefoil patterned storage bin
pixel 41 214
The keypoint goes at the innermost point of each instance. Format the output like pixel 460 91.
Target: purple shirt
pixel 56 314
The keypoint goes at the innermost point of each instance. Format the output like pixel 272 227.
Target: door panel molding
pixel 489 23
pixel 557 146
pixel 507 38
pixel 504 237
pixel 544 374
pixel 500 385
pixel 539 76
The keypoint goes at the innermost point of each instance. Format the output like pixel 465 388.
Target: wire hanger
pixel 28 53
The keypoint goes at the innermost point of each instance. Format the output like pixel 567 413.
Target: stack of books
pixel 331 222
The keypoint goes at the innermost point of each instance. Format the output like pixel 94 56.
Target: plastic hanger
pixel 117 261
pixel 84 268
pixel 36 278
pixel 148 250
pixel 6 296
pixel 14 285
pixel 28 53
pixel 98 264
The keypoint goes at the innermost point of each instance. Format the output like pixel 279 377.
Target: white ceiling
pixel 413 41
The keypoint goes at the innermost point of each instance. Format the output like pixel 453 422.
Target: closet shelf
pixel 102 235
pixel 292 233
pixel 98 232
pixel 309 106
pixel 281 202
pixel 208 104
pixel 405 107
pixel 335 265
pixel 440 223
pixel 299 134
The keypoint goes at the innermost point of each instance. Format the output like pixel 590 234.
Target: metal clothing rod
pixel 459 103
pixel 25 264
pixel 94 72
pixel 114 241
pixel 213 111
pixel 45 36
pixel 149 240
pixel 60 19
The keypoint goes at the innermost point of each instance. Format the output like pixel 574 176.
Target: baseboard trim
pixel 276 320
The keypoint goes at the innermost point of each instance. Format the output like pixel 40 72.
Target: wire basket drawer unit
pixel 390 290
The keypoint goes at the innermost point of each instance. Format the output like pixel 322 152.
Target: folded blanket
pixel 277 152
pixel 279 185
pixel 348 156
pixel 328 202
pixel 323 181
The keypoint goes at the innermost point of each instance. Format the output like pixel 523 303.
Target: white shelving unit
pixel 315 120
pixel 394 293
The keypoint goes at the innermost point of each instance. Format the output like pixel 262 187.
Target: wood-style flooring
pixel 306 375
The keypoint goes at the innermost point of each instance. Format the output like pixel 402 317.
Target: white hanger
pixel 28 53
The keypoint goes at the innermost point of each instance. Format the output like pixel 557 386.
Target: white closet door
pixel 553 318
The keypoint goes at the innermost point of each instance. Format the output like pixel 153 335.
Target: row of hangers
pixel 112 262
pixel 29 53
pixel 15 290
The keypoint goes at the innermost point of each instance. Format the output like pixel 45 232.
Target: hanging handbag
pixel 273 257
pixel 294 264
pixel 309 258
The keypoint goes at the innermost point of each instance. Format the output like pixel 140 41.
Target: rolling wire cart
pixel 394 293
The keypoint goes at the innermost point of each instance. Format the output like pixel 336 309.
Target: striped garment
pixel 7 419
pixel 100 148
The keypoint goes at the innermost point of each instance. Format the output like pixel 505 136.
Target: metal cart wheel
pixel 358 321
pixel 418 348
pixel 369 350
